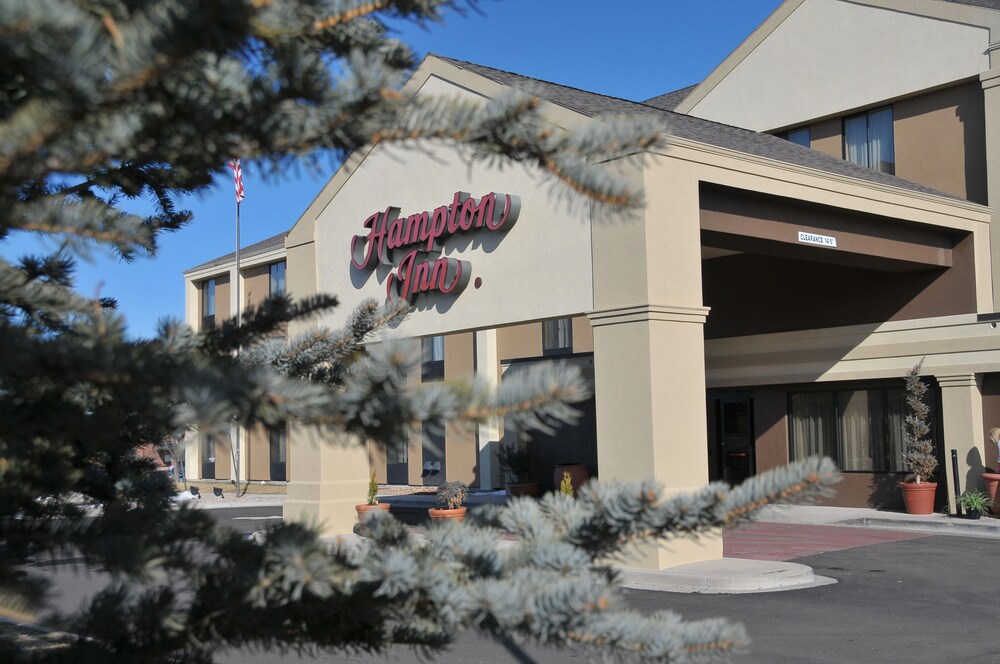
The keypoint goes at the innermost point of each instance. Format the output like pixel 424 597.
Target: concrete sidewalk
pixel 840 524
pixel 744 575
pixel 834 527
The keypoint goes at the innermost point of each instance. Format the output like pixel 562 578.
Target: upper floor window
pixel 799 136
pixel 868 140
pixel 277 279
pixel 432 364
pixel 557 336
pixel 208 304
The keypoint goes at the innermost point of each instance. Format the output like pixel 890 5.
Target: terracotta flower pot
pixel 992 482
pixel 363 510
pixel 577 472
pixel 457 514
pixel 918 498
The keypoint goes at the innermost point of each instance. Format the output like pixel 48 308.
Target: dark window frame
pixel 888 167
pixel 432 358
pixel 552 344
pixel 209 290
pixel 277 285
pixel 796 136
pixel 835 393
pixel 277 437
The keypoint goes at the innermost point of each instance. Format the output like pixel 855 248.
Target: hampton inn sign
pixel 408 244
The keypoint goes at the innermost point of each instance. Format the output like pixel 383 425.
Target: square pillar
pixel 649 347
pixel 962 417
pixel 488 433
pixel 990 80
pixel 649 370
pixel 329 477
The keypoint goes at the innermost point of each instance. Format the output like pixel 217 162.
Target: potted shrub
pixel 918 455
pixel 992 476
pixel 515 462
pixel 371 502
pixel 450 499
pixel 974 503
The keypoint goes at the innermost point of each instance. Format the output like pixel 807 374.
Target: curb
pixel 951 526
pixel 725 576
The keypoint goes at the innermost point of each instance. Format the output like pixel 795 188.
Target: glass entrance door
pixel 734 437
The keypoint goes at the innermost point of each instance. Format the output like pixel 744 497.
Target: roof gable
pixel 798 66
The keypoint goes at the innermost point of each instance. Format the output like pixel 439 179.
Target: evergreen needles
pixel 102 101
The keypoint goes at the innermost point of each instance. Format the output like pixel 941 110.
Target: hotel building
pixel 815 223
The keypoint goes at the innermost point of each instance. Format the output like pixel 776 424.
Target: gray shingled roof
pixel 989 4
pixel 246 252
pixel 670 100
pixel 696 129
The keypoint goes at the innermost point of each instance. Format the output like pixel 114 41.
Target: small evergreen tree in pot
pixel 371 500
pixel 918 455
pixel 450 499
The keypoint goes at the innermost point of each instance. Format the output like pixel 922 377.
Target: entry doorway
pixel 732 456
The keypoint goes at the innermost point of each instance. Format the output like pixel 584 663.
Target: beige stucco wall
pixel 583 335
pixel 827 137
pixel 223 309
pixel 940 140
pixel 258 451
pixel 519 341
pixel 256 285
pixel 828 56
pixel 546 253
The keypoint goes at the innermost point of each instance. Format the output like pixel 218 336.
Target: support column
pixel 192 457
pixel 488 434
pixel 649 371
pixel 990 81
pixel 649 348
pixel 962 417
pixel 329 477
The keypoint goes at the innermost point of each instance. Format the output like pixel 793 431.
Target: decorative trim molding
pixel 648 312
pixel 960 380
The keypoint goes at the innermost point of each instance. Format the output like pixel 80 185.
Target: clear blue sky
pixel 633 49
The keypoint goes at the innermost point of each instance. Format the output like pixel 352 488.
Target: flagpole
pixel 238 182
pixel 239 303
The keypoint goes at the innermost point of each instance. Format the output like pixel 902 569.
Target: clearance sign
pixel 411 246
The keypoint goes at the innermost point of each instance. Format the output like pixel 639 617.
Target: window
pixel 868 140
pixel 799 136
pixel 397 452
pixel 862 430
pixel 432 364
pixel 557 336
pixel 208 304
pixel 208 457
pixel 277 279
pixel 278 439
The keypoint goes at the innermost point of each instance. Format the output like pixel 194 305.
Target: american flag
pixel 238 179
